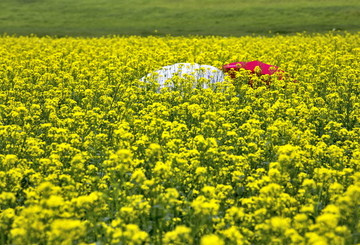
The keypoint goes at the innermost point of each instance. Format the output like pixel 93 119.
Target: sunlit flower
pixel 90 154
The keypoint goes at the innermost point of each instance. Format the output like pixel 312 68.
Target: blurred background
pixel 176 17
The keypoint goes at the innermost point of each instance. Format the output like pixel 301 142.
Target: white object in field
pixel 210 73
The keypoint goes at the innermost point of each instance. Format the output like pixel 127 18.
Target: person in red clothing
pixel 255 67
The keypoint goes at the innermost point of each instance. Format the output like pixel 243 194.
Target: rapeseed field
pixel 91 155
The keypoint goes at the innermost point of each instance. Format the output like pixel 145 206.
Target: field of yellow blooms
pixel 91 155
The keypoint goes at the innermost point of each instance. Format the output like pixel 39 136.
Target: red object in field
pixel 264 68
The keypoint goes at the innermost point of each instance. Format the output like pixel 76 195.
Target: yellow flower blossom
pixel 180 235
pixel 211 239
pixel 90 154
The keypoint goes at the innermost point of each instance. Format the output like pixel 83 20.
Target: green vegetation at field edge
pixel 181 17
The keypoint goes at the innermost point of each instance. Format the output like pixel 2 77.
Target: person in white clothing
pixel 164 75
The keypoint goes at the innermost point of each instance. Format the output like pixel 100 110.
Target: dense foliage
pixel 90 155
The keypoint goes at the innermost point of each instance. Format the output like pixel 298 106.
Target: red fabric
pixel 264 68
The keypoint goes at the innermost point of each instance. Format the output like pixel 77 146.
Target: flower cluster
pixel 91 155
